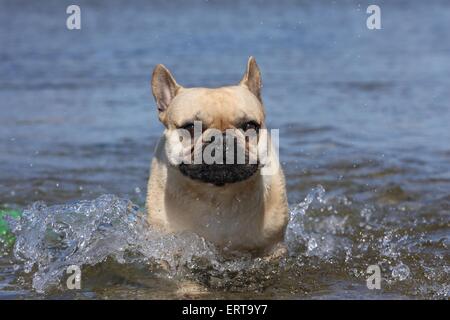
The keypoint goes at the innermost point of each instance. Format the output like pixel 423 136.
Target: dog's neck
pixel 219 213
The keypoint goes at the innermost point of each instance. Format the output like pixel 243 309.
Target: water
pixel 365 145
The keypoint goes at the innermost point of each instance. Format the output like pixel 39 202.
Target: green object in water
pixel 5 234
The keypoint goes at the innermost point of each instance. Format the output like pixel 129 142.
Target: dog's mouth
pixel 218 174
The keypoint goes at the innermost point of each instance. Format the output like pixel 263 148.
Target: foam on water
pixel 324 234
pixel 49 239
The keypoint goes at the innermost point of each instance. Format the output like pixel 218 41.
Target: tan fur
pixel 247 215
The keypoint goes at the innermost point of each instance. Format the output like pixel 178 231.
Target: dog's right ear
pixel 164 88
pixel 252 78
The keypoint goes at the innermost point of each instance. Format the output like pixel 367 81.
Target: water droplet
pixel 312 244
pixel 400 271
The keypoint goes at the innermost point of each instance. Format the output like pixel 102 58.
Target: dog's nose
pixel 230 151
pixel 226 139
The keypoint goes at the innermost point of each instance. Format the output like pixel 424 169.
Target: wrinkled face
pixel 219 133
pixel 211 135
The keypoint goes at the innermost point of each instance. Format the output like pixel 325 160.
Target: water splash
pixel 325 234
pixel 87 233
pixel 49 239
pixel 296 229
pixel 400 272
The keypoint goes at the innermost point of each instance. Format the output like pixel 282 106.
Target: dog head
pixel 211 135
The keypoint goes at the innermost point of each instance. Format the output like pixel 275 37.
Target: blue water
pixel 364 113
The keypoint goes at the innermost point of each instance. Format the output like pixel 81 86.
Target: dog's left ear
pixel 252 78
pixel 164 87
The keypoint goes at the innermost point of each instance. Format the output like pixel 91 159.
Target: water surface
pixel 364 132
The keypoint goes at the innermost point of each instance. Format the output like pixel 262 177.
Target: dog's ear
pixel 164 87
pixel 252 78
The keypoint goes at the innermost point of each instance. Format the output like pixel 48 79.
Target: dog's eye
pixel 189 127
pixel 250 125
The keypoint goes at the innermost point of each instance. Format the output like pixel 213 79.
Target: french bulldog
pixel 239 206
